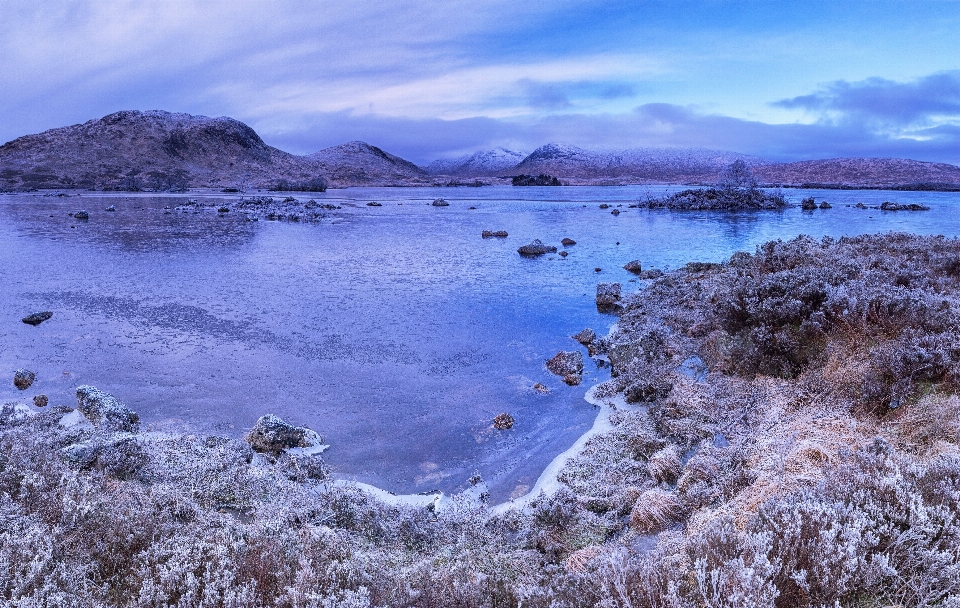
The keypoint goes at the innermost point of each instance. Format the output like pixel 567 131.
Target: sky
pixel 428 80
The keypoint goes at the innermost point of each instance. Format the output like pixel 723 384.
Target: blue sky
pixel 785 81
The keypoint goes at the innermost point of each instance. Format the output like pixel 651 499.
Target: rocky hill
pixel 149 150
pixel 641 165
pixel 496 162
pixel 862 173
pixel 359 164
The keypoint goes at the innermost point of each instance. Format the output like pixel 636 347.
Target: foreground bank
pixel 781 430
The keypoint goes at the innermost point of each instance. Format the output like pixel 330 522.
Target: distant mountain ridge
pixel 159 150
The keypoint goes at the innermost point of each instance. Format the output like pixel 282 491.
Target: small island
pixel 736 191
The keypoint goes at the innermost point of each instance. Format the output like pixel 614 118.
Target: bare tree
pixel 737 175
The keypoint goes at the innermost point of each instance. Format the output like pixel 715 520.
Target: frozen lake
pixel 396 332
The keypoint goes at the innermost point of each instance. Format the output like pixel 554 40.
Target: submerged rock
pixel 633 266
pixel 110 208
pixel 37 318
pixel 23 378
pixel 40 400
pixel 500 234
pixel 608 296
pixel 439 202
pixel 536 248
pixel 503 422
pixel 271 434
pixel 567 242
pixel 106 411
pixel 541 388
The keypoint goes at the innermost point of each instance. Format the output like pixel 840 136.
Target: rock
pixel 37 318
pixel 825 205
pixel 608 296
pixel 633 266
pixel 106 411
pixel 563 254
pixel 604 206
pixel 40 401
pixel 889 206
pixel 273 435
pixel 81 215
pixel 541 388
pixel 615 212
pixel 536 248
pixel 566 363
pixel 572 379
pixel 567 242
pixel 374 204
pixel 110 208
pixel 223 210
pixel 860 206
pixel 808 203
pixel 500 234
pixel 23 378
pixel 120 454
pixel 503 422
pixel 651 274
pixel 440 203
pixel 585 336
pixel 646 392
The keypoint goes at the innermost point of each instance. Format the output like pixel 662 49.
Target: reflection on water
pixel 395 331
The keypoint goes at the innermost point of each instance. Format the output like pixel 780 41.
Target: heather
pixel 781 431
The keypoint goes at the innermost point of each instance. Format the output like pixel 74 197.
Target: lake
pixel 396 332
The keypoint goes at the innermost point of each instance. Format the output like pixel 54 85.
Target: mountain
pixel 496 162
pixel 861 172
pixel 359 164
pixel 154 149
pixel 641 165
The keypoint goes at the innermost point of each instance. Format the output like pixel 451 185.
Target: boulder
pixel 604 206
pixel 536 248
pixel 566 363
pixel 110 208
pixel 890 206
pixel 541 388
pixel 105 411
pixel 81 215
pixel 615 212
pixel 374 204
pixel 567 242
pixel 500 234
pixel 633 266
pixel 825 205
pixel 563 254
pixel 503 422
pixel 120 454
pixel 808 203
pixel 608 296
pixel 585 337
pixel 273 435
pixel 23 378
pixel 40 400
pixel 37 318
pixel 440 203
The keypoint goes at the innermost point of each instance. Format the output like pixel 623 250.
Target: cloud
pixel 885 101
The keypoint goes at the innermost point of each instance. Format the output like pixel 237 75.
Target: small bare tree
pixel 737 175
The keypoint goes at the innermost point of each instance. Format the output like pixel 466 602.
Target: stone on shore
pixel 633 266
pixel 105 411
pixel 585 337
pixel 536 248
pixel 568 364
pixel 37 318
pixel 23 378
pixel 120 454
pixel 608 296
pixel 273 435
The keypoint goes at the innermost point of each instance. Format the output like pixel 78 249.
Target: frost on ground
pixel 813 463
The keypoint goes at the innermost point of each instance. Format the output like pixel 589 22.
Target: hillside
pixel 496 162
pixel 359 164
pixel 148 150
pixel 641 165
pixel 860 172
